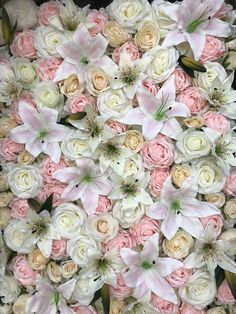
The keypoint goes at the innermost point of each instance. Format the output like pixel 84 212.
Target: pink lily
pixel 147 271
pixel 156 113
pixel 85 182
pixel 40 131
pixel 195 19
pixel 180 208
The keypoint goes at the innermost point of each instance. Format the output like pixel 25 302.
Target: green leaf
pixel 6 25
pixel 97 296
pixel 47 205
pixel 231 280
pixel 76 116
pixel 105 298
pixel 12 33
pixel 33 204
pixel 219 275
pixel 191 64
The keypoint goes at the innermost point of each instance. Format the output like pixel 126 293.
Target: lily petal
pixel 134 116
pixel 66 175
pixel 53 151
pixel 29 116
pixel 192 225
pixel 151 128
pixel 171 128
pixel 129 256
pixel 20 134
pixel 172 220
pixel 65 70
pixel 193 260
pixel 226 263
pixel 217 28
pixel 197 43
pixel 167 265
pixel 194 208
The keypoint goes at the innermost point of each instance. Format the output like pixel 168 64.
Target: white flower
pixel 67 219
pixel 9 289
pixel 164 21
pixel 25 182
pixel 25 72
pixel 200 290
pixel 73 147
pixel 127 217
pixel 133 166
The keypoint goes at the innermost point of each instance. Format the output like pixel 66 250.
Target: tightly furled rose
pixel 115 34
pixel 22 270
pixel 179 246
pixel 217 199
pixel 148 36
pixel 23 45
pixel 230 208
pixel 134 140
pixel 47 10
pixel 156 180
pixel 193 99
pixel 37 260
pixel 129 48
pixel 180 173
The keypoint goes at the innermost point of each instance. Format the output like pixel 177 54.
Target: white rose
pixel 25 72
pixel 67 219
pixel 113 104
pixel 82 249
pixel 127 217
pixel 54 272
pixel 19 305
pixel 133 166
pixel 4 217
pixel 217 199
pixel 164 21
pixel 68 269
pixel 97 81
pixel 5 309
pixel 129 13
pixel 46 40
pixel 47 94
pixel 9 289
pixel 164 61
pixel 230 236
pixel 216 310
pixel 85 288
pixel 25 182
pixel 3 182
pixel 73 147
pixel 200 290
pixel 230 208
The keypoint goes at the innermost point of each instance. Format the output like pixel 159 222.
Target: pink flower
pixel 116 126
pixel 121 291
pixel 22 270
pixel 151 85
pixel 224 294
pixel 163 306
pixel 143 230
pixel 23 44
pixel 58 249
pixel 57 190
pixel 182 80
pixel 26 97
pixel 104 205
pixel 158 152
pixel 46 10
pixel 47 68
pixel 192 98
pixel 9 149
pixel 95 21
pixel 179 277
pixel 222 12
pixel 230 186
pixel 215 220
pixel 49 167
pixel 190 309
pixel 130 48
pixel 216 122
pixel 83 309
pixel 19 208
pixel 78 102
pixel 122 239
pixel 156 180
pixel 214 49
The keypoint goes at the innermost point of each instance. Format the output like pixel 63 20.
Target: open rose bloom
pixel 118 158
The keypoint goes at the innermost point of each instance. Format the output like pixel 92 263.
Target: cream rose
pixel 54 272
pixel 115 34
pixel 117 306
pixel 4 217
pixel 217 199
pixel 25 72
pixel 179 246
pixel 37 260
pixel 6 124
pixel 3 182
pixel 134 140
pixel 70 86
pixel 180 173
pixel 47 95
pixel 73 147
pixel 148 36
pixel 230 236
pixel 68 269
pixel 216 310
pixel 25 182
pixel 230 209
pixel 194 122
pixel 25 158
pixel 19 305
pixel 127 217
pixel 97 81
pixel 5 198
pixel 214 70
pixel 133 166
pixel 9 289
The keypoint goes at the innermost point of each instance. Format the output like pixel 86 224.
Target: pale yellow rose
pixel 54 272
pixel 97 81
pixel 37 260
pixel 4 217
pixel 180 173
pixel 19 305
pixel 230 236
pixel 115 34
pixel 230 208
pixel 179 246
pixel 6 124
pixel 3 182
pixel 104 227
pixel 68 269
pixel 147 36
pixel 134 140
pixel 25 158
pixel 70 86
pixel 194 122
pixel 116 307
pixel 5 198
pixel 231 60
pixel 217 199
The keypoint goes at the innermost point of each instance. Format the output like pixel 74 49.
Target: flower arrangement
pixel 118 182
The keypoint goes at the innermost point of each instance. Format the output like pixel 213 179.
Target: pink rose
pixel 215 220
pixel 151 85
pixel 19 208
pixel 130 48
pixel 56 189
pixel 189 309
pixel 121 240
pixel 179 277
pixel 116 126
pixel 9 149
pixel 121 291
pixel 78 102
pixel 22 270
pixel 104 205
pixel 47 68
pixel 182 80
pixel 216 122
pixel 163 306
pixel 23 44
pixel 158 152
pixel 58 249
pixel 192 98
pixel 96 20
pixel 83 309
pixel 46 10
pixel 156 180
pixel 224 294
pixel 230 185
pixel 144 229
pixel 49 167
pixel 214 49
pixel 26 97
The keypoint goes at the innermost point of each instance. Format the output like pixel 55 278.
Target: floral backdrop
pixel 117 149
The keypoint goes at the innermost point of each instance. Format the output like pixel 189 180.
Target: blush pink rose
pixel 78 102
pixel 49 167
pixel 230 185
pixel 23 45
pixel 141 231
pixel 19 208
pixel 163 306
pixel 182 80
pixel 216 221
pixel 83 309
pixel 57 189
pixel 158 152
pixel 216 122
pixel 47 68
pixel 192 98
pixel 22 270
pixel 224 294
pixel 9 149
pixel 58 249
pixel 123 239
pixel 151 85
pixel 116 126
pixel 26 97
pixel 104 205
pixel 179 277
pixel 47 10
pixel 121 291
pixel 189 309
pixel 96 20
pixel 130 48
pixel 156 180
pixel 214 49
